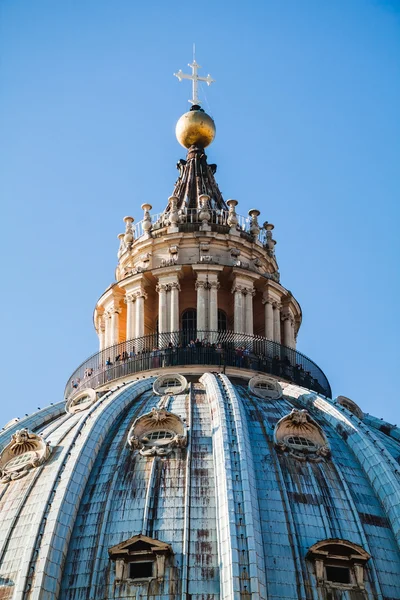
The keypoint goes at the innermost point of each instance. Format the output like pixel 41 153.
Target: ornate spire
pixel 195 130
pixel 196 178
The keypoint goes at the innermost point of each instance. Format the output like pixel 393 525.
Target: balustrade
pixel 217 348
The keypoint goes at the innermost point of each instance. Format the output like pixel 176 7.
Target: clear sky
pixel 306 103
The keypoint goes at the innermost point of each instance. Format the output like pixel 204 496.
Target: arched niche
pixel 157 433
pixel 81 401
pixel 170 384
pixel 299 435
pixel 25 451
pixel 265 387
pixel 351 406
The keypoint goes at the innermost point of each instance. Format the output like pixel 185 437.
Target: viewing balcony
pixel 216 349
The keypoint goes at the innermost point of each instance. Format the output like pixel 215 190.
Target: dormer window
pixel 351 406
pixel 157 433
pixel 265 387
pixel 25 451
pixel 301 436
pixel 171 384
pixel 81 401
pixel 140 559
pixel 338 564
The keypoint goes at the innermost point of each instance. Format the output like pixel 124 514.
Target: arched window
pixel 189 320
pixel 222 320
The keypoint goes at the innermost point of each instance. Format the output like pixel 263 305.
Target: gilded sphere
pixel 195 127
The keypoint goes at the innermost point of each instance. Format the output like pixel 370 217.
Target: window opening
pixel 264 386
pixel 189 320
pixel 301 442
pixel 140 570
pixel 222 320
pixel 171 383
pixel 338 574
pixel 82 400
pixel 18 461
pixel 160 435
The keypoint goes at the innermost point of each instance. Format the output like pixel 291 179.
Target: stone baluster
pixel 147 224
pixel 237 290
pixel 277 322
pixel 269 318
pixel 254 226
pixel 174 310
pixel 129 235
pixel 162 289
pixel 232 220
pixel 202 293
pixel 141 296
pixel 204 213
pixel 130 316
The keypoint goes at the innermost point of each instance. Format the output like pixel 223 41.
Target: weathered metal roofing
pixel 239 515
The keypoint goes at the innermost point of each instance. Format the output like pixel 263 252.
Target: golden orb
pixel 195 127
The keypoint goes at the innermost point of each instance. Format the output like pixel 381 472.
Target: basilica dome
pixel 199 454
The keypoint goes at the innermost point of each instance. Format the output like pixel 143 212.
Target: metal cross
pixel 195 79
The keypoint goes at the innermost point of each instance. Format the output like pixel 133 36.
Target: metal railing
pixel 211 348
pixel 190 217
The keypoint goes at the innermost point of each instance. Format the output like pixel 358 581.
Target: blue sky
pixel 306 103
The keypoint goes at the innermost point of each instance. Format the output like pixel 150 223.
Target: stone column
pixel 248 312
pixel 277 322
pixel 293 334
pixel 162 308
pixel 202 301
pixel 107 333
pixel 102 332
pixel 139 326
pixel 130 316
pixel 114 326
pixel 238 309
pixel 269 318
pixel 174 311
pixel 213 306
pixel 287 329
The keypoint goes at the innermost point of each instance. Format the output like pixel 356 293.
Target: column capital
pixel 214 284
pixel 237 288
pixel 276 304
pixel 129 298
pixel 201 284
pixel 286 314
pixel 175 285
pixel 141 294
pixel 162 287
pixel 267 299
pixel 249 291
